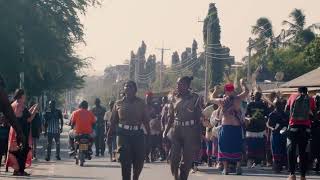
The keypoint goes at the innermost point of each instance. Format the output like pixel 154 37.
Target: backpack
pixel 300 108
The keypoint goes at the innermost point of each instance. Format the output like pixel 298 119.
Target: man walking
pixel 99 112
pixel 128 116
pixel 53 128
pixel 301 106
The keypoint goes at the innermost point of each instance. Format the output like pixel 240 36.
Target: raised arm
pixel 245 90
pixel 214 96
pixel 33 111
pixel 61 121
pixel 170 120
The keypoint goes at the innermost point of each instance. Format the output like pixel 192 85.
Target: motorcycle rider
pixel 83 122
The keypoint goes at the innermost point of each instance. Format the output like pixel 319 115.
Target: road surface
pixel 102 169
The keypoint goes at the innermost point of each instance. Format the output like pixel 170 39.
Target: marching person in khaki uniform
pixel 99 112
pixel 184 119
pixel 128 116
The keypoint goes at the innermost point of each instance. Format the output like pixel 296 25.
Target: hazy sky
pixel 119 26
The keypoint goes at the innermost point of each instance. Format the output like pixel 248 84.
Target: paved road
pixel 102 169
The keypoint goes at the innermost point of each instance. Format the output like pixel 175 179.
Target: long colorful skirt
pixel 12 160
pixel 230 140
pixel 278 147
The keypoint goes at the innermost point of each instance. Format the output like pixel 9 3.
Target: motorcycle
pixel 83 151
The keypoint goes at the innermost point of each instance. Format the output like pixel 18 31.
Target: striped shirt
pixel 52 121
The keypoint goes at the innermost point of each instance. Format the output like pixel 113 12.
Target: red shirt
pixel 306 122
pixel 83 121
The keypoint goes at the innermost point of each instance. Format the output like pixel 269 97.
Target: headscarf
pixel 229 87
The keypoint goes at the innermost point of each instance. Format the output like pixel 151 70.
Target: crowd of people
pixel 230 131
pixel 261 131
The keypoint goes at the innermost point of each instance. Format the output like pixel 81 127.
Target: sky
pixel 116 27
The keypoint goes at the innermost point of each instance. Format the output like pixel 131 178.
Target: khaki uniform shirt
pixel 186 108
pixel 129 113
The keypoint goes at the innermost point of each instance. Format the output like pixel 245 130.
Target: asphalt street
pixel 102 169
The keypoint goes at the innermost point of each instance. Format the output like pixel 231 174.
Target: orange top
pixel 83 120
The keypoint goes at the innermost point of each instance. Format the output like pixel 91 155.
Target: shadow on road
pixel 253 173
pixel 102 166
pixel 48 177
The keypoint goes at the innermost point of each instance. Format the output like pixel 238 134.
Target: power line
pixel 186 61
pixel 183 69
pixel 220 58
pixel 212 45
pixel 217 54
pixel 161 65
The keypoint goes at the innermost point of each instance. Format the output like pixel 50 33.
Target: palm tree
pixel 296 32
pixel 264 34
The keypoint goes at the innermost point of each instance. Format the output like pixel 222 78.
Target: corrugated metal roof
pixel 289 90
pixel 310 79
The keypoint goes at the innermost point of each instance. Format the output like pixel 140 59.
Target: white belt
pixel 255 134
pixel 128 127
pixel 185 123
pixel 297 129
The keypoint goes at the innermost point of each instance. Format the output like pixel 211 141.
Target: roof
pixel 310 79
pixel 288 90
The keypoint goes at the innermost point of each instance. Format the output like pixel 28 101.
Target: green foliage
pixel 312 53
pixel 50 30
pixel 295 51
pixel 211 34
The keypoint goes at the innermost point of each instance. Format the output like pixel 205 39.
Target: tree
pixel 151 67
pixel 296 32
pixel 264 34
pixel 186 58
pixel 312 53
pixel 175 59
pixel 49 31
pixel 132 65
pixel 194 55
pixel 211 35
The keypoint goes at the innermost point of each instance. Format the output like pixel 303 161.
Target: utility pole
pixel 249 58
pixel 206 79
pixel 21 75
pixel 161 66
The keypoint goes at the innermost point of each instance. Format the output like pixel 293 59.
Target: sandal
pixel 224 172
pixel 239 171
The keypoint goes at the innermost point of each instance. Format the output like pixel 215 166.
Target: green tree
pixel 297 33
pixel 49 31
pixel 312 53
pixel 211 35
pixel 175 59
pixel 264 35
